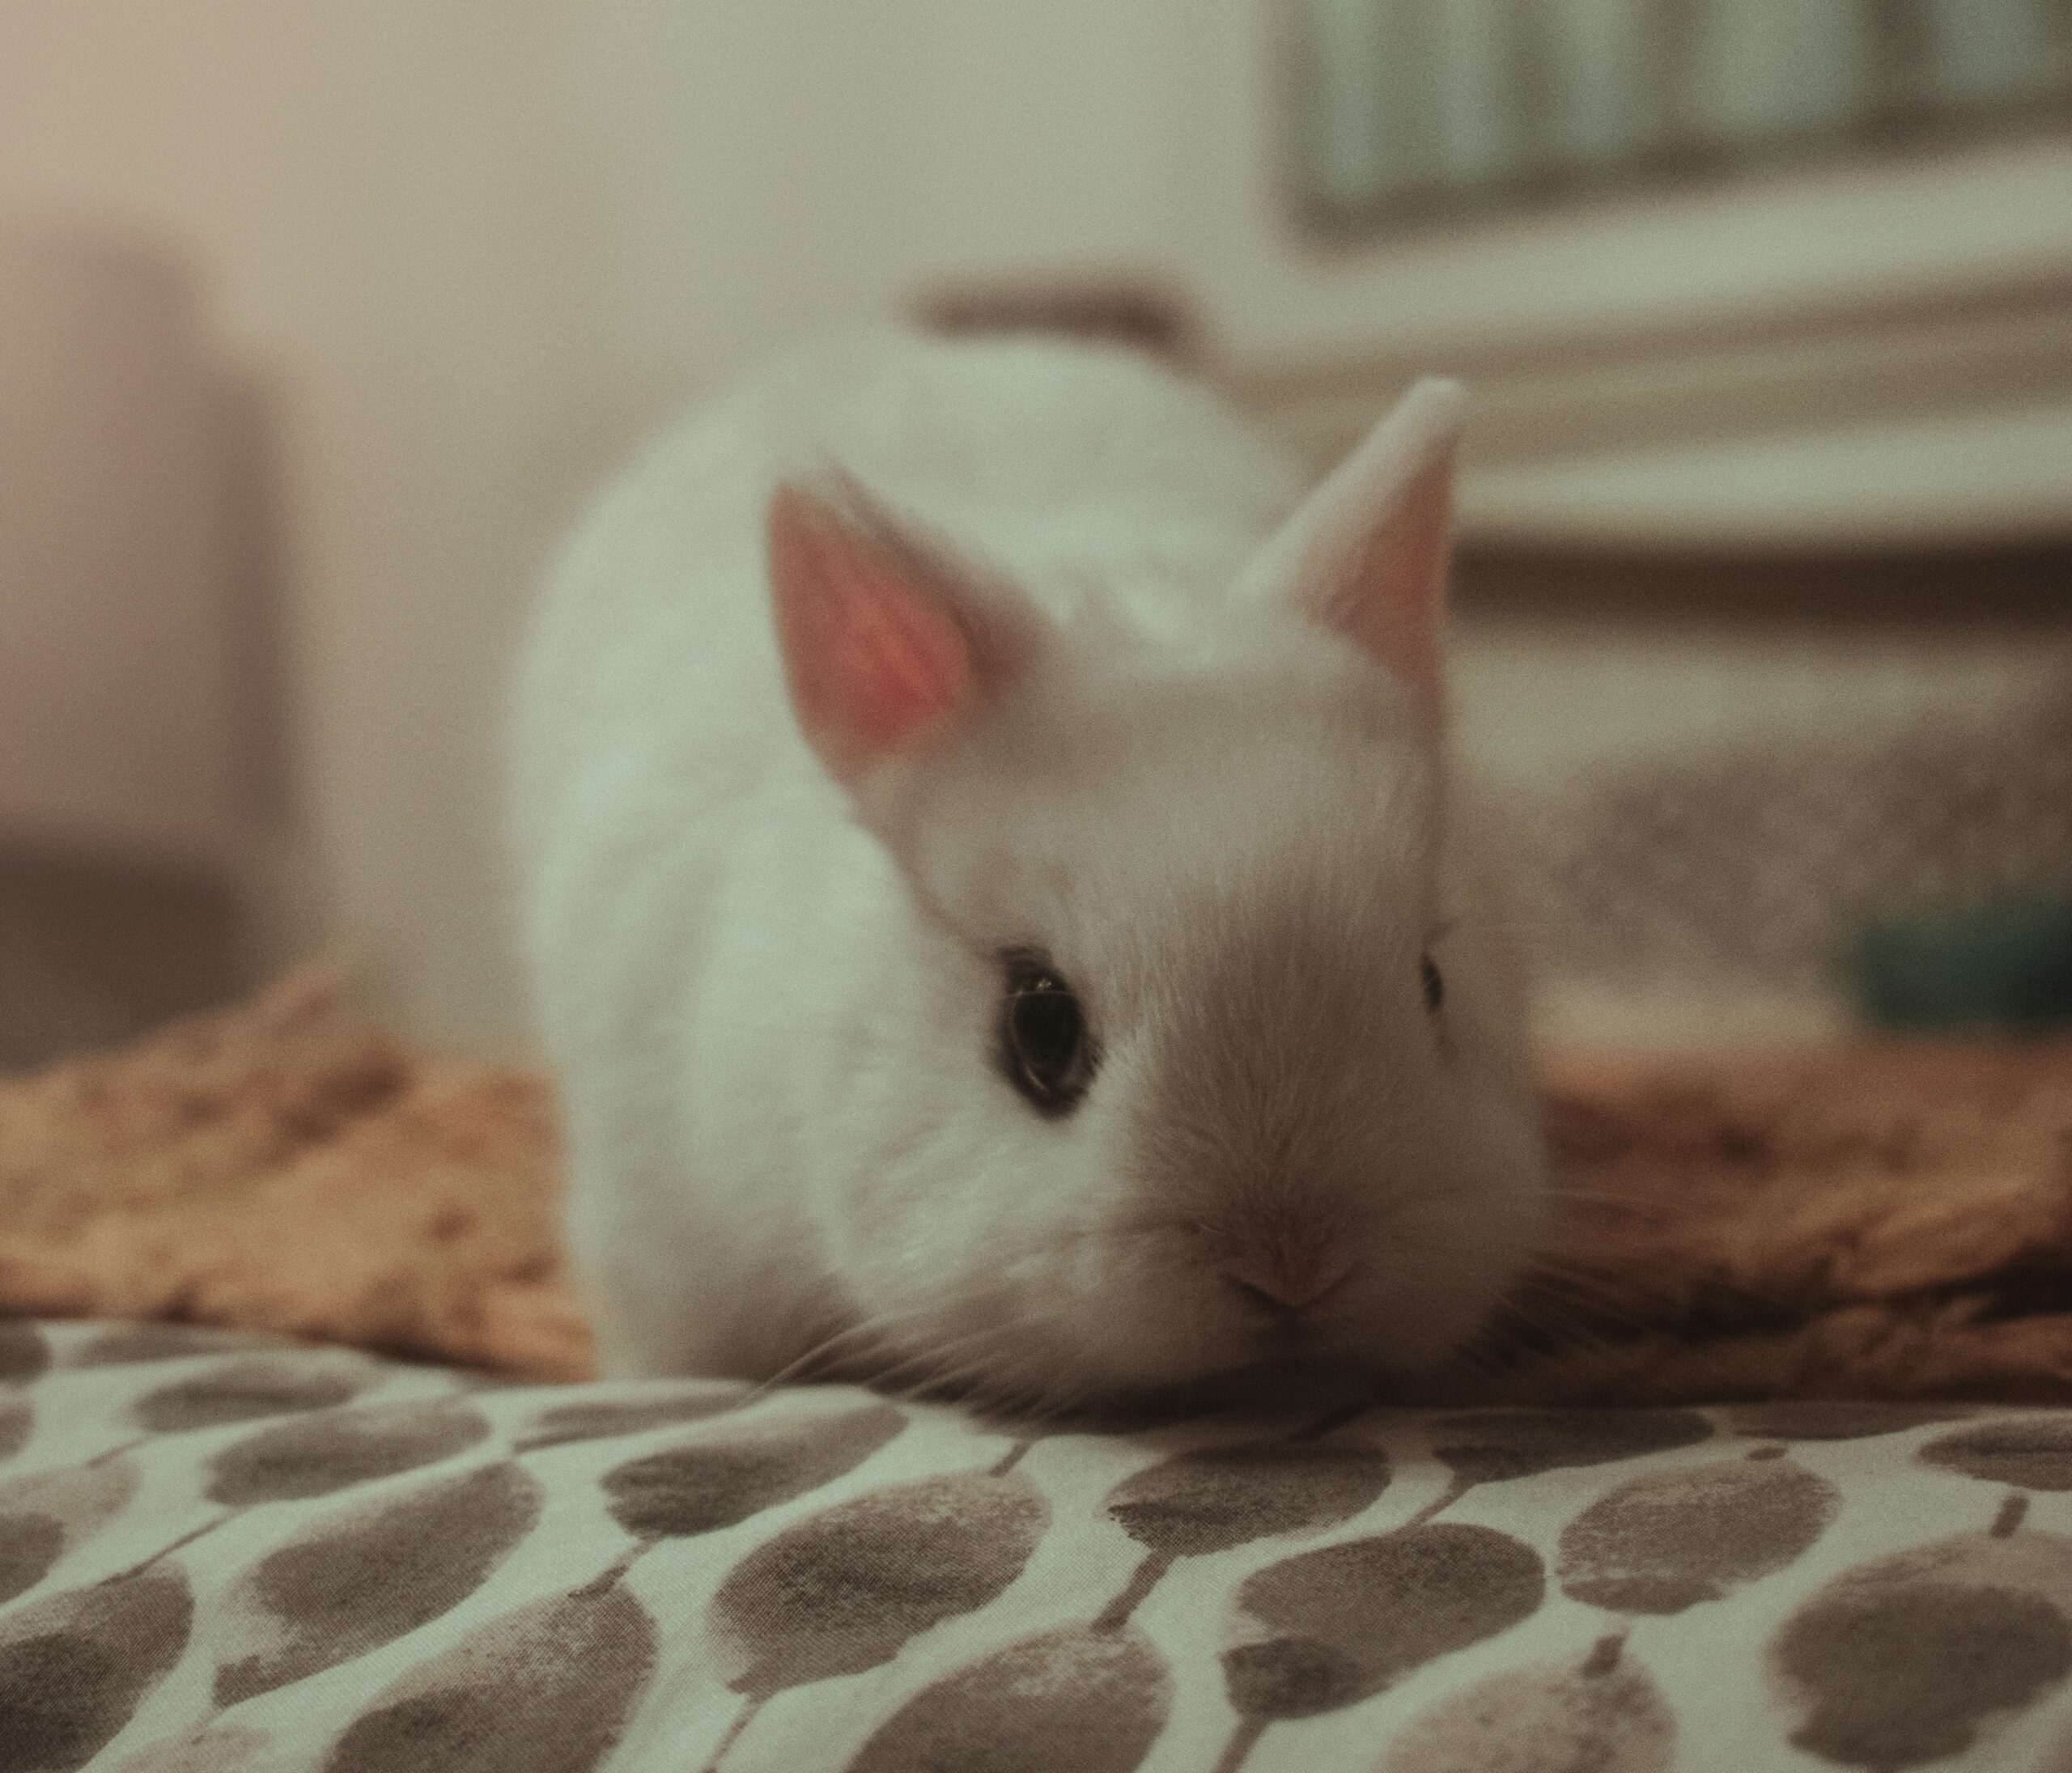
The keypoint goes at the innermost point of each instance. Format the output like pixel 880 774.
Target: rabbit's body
pixel 768 929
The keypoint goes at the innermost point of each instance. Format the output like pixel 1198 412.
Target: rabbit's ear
pixel 1367 554
pixel 886 646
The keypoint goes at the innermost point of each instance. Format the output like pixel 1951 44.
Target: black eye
pixel 1044 1047
pixel 1435 986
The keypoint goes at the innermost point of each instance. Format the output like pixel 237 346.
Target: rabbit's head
pixel 1202 1049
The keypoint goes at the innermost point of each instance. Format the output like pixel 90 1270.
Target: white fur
pixel 773 1014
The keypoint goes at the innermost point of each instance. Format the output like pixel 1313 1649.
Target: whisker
pixel 832 1346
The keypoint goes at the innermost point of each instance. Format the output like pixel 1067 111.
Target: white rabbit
pixel 997 911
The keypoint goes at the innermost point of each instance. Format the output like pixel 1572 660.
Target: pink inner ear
pixel 873 660
pixel 1393 602
pixel 1367 555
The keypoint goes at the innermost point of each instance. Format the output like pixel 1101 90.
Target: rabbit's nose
pixel 1282 1284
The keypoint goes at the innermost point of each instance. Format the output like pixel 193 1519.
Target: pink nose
pixel 1282 1286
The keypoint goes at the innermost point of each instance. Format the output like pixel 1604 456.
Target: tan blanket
pixel 1885 1222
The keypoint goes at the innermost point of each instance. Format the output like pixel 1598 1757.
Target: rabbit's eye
pixel 1044 1045
pixel 1435 984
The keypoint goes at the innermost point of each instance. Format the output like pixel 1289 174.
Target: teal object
pixel 2004 964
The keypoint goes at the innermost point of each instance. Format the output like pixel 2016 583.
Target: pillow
pixel 220 1553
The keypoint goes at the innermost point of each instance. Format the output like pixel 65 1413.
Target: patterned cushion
pixel 223 1555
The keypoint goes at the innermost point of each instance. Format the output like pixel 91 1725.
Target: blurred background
pixel 318 322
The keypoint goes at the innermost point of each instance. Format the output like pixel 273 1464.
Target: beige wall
pixel 474 249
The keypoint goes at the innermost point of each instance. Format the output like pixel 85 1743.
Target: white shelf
pixel 1880 426
pixel 1961 478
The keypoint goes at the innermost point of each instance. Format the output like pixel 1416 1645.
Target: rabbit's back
pixel 1088 477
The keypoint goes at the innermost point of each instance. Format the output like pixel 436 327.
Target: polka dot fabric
pixel 223 1555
